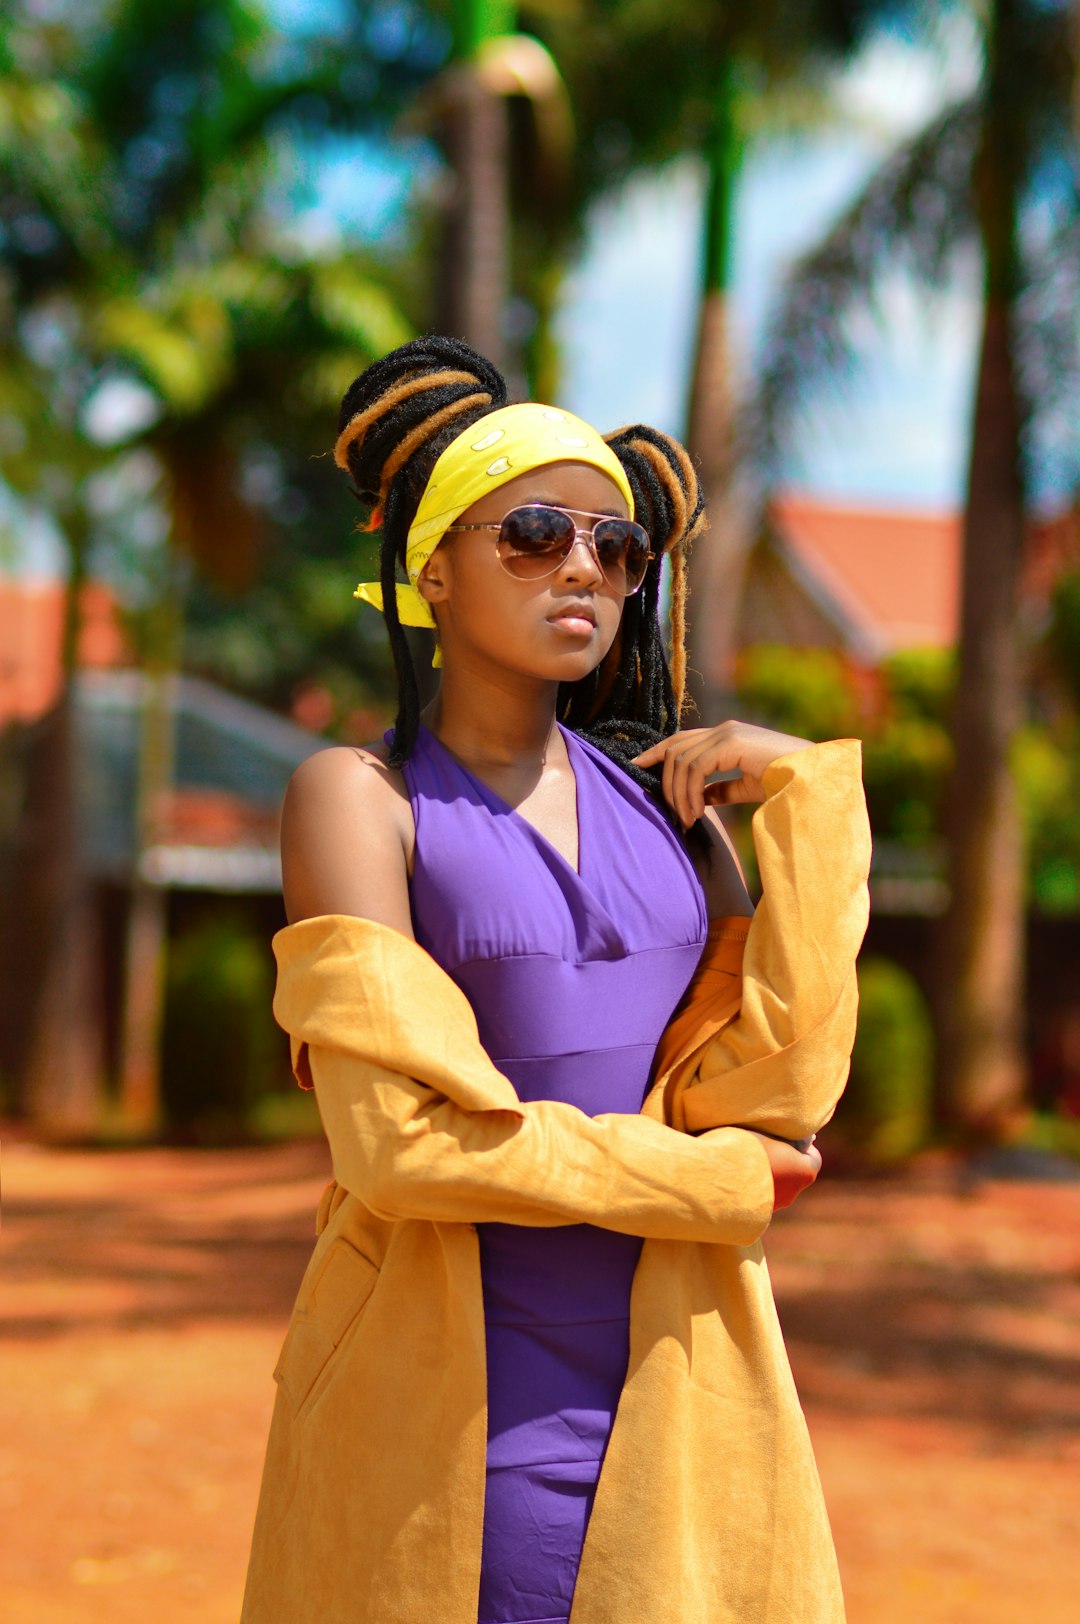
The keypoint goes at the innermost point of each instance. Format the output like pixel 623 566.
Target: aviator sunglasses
pixel 534 540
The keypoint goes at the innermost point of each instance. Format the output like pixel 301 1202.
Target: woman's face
pixel 558 628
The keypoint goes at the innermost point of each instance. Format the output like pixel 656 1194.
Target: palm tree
pixel 46 197
pixel 725 69
pixel 979 174
pixel 153 258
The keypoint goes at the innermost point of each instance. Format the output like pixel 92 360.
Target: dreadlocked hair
pixel 396 420
pixel 635 699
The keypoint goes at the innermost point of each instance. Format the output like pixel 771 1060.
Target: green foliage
pixel 908 754
pixel 885 1112
pixel 1063 634
pixel 219 1046
pixel 815 694
pixel 1047 774
pixel 804 691
pixel 906 765
pixel 1045 1130
pixel 285 1114
pixel 144 148
pixel 973 177
pixel 920 682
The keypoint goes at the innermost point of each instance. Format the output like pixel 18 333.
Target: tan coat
pixel 708 1509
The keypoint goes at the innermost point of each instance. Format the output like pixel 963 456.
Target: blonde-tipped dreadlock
pixel 357 425
pixel 677 515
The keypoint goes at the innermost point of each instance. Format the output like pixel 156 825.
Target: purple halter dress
pixel 573 976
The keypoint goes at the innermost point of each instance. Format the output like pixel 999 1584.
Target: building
pixel 213 831
pixel 871 582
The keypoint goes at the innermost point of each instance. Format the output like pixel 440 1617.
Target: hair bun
pixel 404 403
pixel 669 502
pixel 668 499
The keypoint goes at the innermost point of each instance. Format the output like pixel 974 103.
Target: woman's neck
pixel 497 720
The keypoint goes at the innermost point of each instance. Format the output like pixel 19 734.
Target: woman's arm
pixel 347 838
pixel 720 873
pixel 408 1152
pixel 781 1063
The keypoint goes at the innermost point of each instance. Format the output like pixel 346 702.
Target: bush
pixel 920 682
pixel 805 691
pixel 885 1113
pixel 219 1043
pixel 905 767
pixel 1046 770
pixel 1063 635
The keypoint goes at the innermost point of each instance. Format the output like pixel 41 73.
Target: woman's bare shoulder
pixel 354 769
pixel 346 837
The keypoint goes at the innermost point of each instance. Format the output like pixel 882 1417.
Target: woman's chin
pixel 554 657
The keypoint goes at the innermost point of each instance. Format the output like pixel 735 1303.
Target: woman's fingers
pixel 687 759
pixel 655 752
pixel 728 792
pixel 697 762
pixel 690 757
pixel 678 789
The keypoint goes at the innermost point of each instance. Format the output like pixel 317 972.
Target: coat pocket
pixel 329 1305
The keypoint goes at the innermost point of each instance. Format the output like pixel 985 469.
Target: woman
pixel 494 916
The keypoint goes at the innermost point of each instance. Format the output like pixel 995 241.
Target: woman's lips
pixel 577 620
pixel 577 624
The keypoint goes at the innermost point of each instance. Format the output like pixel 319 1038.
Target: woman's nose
pixel 581 562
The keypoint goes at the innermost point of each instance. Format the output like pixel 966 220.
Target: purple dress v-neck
pixel 573 976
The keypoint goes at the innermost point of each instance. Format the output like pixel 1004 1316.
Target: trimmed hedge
pixel 219 1042
pixel 885 1113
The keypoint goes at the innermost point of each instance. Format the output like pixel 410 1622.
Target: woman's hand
pixel 794 1166
pixel 693 754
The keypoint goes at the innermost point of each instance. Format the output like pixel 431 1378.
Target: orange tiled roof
pixel 896 575
pixel 31 630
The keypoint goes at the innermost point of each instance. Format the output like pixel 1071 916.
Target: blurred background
pixel 835 246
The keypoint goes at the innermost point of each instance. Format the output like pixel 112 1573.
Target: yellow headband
pixel 500 446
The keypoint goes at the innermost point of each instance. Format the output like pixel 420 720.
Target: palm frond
pixel 915 211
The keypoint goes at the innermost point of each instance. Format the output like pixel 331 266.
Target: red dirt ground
pixel 932 1333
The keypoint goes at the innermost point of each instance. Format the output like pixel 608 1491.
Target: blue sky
pixel 896 435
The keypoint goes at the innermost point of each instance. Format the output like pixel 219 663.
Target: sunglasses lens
pixel 533 540
pixel 623 550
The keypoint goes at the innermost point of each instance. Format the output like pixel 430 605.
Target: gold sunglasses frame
pixel 585 535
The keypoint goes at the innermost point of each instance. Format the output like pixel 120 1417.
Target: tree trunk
pixel 51 1026
pixel 981 1064
pixel 53 995
pixel 980 944
pixel 139 1105
pixel 139 1102
pixel 718 561
pixel 718 564
pixel 472 286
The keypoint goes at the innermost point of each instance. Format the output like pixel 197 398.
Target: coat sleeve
pixel 409 1152
pixel 781 1063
